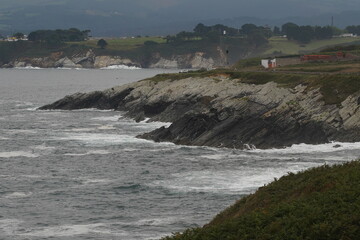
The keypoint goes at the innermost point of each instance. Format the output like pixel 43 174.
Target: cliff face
pixel 223 112
pixel 195 60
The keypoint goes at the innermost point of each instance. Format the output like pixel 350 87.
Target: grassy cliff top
pixel 335 86
pixel 320 203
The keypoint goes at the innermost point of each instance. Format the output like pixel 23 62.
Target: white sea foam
pixel 242 181
pixel 18 195
pixel 78 110
pixel 73 230
pixel 31 109
pixel 108 118
pixel 145 125
pixel 95 181
pixel 95 139
pixel 90 110
pixel 43 147
pixel 29 68
pixel 80 129
pixel 309 148
pixel 18 154
pixel 156 221
pixel 67 68
pixel 120 67
pixel 95 152
pixel 106 127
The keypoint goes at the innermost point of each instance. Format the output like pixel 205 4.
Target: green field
pixel 283 46
pixel 277 45
pixel 121 44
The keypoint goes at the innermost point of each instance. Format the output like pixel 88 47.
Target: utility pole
pixel 332 21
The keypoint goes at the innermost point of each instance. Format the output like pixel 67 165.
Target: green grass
pixel 320 203
pixel 280 45
pixel 335 88
pixel 120 44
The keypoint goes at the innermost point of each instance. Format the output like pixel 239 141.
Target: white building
pixel 268 63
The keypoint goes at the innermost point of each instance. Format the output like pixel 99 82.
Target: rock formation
pixel 223 112
pixel 90 60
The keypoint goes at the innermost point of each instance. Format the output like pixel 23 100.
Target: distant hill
pixel 153 17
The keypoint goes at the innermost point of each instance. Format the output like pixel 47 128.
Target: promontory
pixel 237 109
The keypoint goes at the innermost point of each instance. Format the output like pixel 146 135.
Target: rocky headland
pixel 89 59
pixel 223 111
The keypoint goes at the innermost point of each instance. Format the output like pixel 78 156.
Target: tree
pixel 353 29
pixel 305 34
pixel 277 31
pixel 201 29
pixel 289 29
pixel 102 43
pixel 248 28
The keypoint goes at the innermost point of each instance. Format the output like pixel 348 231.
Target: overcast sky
pixel 203 8
pixel 144 15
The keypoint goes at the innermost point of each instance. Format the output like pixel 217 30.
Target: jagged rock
pixel 106 61
pixel 222 112
pixel 19 64
pixel 195 61
pixel 66 63
pixel 165 63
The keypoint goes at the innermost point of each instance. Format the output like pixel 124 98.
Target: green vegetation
pixel 335 88
pixel 305 34
pixel 283 46
pixel 102 43
pixel 320 203
pixel 217 41
pixel 120 44
pixel 59 36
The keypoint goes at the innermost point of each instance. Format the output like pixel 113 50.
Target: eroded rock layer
pixel 223 112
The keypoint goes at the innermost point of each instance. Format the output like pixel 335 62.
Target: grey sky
pixel 130 16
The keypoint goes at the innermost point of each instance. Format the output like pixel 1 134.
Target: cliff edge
pixel 236 110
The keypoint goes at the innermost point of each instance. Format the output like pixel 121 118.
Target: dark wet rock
pixel 227 113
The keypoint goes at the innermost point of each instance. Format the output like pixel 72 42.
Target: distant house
pixel 346 35
pixel 268 63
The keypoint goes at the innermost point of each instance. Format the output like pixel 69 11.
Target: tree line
pixel 256 34
pixel 302 34
pixel 55 37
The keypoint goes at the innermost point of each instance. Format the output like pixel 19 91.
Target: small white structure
pixel 348 35
pixel 268 63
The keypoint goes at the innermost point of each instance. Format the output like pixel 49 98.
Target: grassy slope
pixel 283 46
pixel 321 203
pixel 335 88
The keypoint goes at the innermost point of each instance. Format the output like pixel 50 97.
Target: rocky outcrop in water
pixel 223 112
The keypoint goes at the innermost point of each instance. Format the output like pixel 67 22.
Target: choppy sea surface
pixel 83 174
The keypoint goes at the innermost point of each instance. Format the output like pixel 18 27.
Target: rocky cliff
pixel 220 111
pixel 88 59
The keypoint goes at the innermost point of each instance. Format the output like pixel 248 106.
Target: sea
pixel 83 174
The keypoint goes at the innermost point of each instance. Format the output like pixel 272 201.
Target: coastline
pixel 219 111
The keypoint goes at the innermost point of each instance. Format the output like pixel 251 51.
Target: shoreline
pixel 224 112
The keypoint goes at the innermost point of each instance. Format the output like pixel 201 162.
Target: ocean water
pixel 84 175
